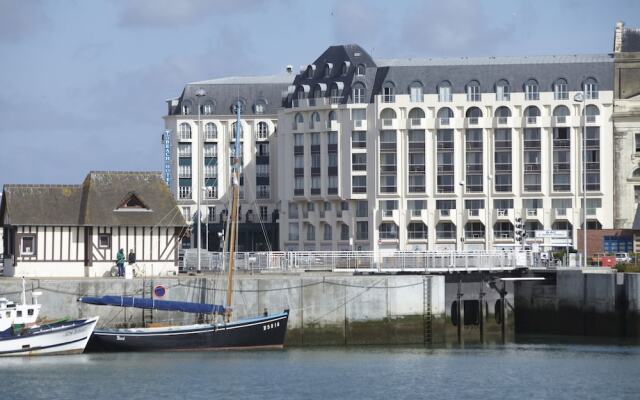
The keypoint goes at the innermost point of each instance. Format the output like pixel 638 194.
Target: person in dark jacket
pixel 131 257
pixel 120 262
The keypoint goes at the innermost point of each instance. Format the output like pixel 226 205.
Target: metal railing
pixel 352 261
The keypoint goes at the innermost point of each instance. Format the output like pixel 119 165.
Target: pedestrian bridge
pixel 430 262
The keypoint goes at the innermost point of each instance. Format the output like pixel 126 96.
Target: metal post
pixel 584 184
pixel 199 93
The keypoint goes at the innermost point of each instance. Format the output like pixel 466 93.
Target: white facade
pixel 404 214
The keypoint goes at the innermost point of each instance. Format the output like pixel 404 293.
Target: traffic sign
pixel 553 234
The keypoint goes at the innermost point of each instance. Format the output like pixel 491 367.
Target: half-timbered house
pixel 77 230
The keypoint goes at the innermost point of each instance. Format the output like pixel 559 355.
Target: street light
pixel 579 98
pixel 458 214
pixel 199 94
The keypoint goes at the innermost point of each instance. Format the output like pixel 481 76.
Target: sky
pixel 83 84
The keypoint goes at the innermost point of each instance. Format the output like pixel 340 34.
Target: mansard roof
pixel 94 203
pixel 223 94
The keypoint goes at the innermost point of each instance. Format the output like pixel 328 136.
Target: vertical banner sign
pixel 166 138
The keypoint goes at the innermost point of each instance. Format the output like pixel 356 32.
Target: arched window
pixel 388 92
pixel 186 107
pixel 445 230
pixel 636 173
pixel 532 111
pixel 503 90
pixel 260 106
pixel 332 116
pixel 416 115
pixel 184 131
pixel 345 67
pixel 263 131
pixel 360 70
pixel 317 92
pixel 210 131
pixel 503 112
pixel 241 104
pixel 590 88
pixel 473 112
pixel 388 230
pixel 444 91
pixel 474 230
pixel 233 131
pixel 359 93
pixel 560 114
pixel 207 108
pixel 560 89
pixel 327 70
pixel 298 121
pixel 315 120
pixel 388 113
pixel 531 90
pixel 327 232
pixel 335 93
pixel 415 92
pixel 473 91
pixel 310 70
pixel 444 115
pixel 503 230
pixel 417 230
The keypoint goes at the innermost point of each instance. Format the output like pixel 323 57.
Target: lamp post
pixel 200 142
pixel 580 98
pixel 458 214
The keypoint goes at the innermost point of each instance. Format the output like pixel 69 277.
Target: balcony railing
pixel 444 213
pixel 532 120
pixel 387 122
pixel 560 119
pixel 561 143
pixel 184 192
pixel 444 121
pixel 210 192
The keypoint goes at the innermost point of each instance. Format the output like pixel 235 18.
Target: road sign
pixel 553 234
pixel 560 242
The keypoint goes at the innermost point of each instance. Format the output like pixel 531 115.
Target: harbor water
pixel 526 371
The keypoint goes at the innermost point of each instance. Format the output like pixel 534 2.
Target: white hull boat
pixel 68 337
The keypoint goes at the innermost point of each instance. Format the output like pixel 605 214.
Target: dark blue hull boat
pixel 262 332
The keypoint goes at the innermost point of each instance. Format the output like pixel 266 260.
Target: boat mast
pixel 235 180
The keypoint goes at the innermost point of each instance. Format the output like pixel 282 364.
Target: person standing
pixel 131 257
pixel 120 262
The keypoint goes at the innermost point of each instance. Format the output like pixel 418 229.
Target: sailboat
pixel 266 331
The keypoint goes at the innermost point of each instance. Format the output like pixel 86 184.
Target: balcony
pixel 444 145
pixel 444 168
pixel 531 121
pixel 416 147
pixel 561 167
pixel 387 214
pixel 298 150
pixel 503 167
pixel 444 122
pixel 561 143
pixel 472 121
pixel 388 169
pixel 532 144
pixel 415 214
pixel 560 120
pixel 593 166
pixel 184 192
pixel 335 99
pixel 332 190
pixel 473 213
pixel 503 144
pixel 264 193
pixel 532 212
pixel 532 167
pixel 388 98
pixel 416 168
pixel 473 146
pixel 360 124
pixel 295 103
pixel 444 213
pixel 445 188
pixel 474 168
pixel 318 101
pixel 416 123
pixel 591 119
pixel 389 123
pixel 388 146
pixel 502 120
pixel 210 192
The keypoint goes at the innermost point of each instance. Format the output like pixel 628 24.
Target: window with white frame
pixel 531 90
pixel 590 87
pixel 210 131
pixel 388 93
pixel 359 93
pixel 473 91
pixel 259 107
pixel 28 245
pixel 415 92
pixel 184 131
pixel 104 240
pixel 207 108
pixel 503 90
pixel 560 89
pixel 293 210
pixel 186 213
pixel 360 70
pixel 263 131
pixel 444 92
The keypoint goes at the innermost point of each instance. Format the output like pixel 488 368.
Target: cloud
pixel 163 13
pixel 454 27
pixel 356 22
pixel 21 19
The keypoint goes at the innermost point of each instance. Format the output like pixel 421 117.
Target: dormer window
pixel 132 202
pixel 360 70
pixel 207 108
pixel 310 71
pixel 327 70
pixel 473 91
pixel 186 107
pixel 560 90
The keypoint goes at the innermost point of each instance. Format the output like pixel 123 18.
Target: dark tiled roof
pixel 631 40
pixel 94 203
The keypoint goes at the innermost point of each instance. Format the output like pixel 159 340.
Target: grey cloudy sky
pixel 83 83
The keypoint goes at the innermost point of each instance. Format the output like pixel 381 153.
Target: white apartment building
pixel 431 154
pixel 201 123
pixel 421 154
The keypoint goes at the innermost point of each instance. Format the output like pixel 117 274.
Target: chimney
pixel 617 39
pixel 289 69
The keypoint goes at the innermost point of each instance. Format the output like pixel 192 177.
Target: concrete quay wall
pixel 325 309
pixel 576 302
